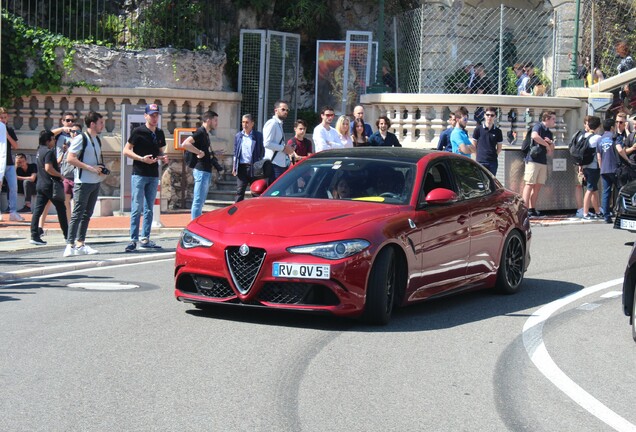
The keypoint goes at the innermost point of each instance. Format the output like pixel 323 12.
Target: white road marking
pixel 533 342
pixel 103 286
pixel 588 306
pixel 612 294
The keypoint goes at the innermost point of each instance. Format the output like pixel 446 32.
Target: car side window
pixel 437 176
pixel 472 181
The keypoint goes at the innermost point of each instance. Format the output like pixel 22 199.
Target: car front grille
pixel 297 294
pixel 628 203
pixel 244 269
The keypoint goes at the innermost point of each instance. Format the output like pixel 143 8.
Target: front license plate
pixel 304 271
pixel 628 224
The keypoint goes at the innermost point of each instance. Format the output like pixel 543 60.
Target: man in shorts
pixel 536 170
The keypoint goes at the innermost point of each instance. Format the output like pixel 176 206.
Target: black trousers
pixel 40 201
pixel 28 189
pixel 243 179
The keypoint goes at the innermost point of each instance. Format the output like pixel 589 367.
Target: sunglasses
pixel 490 115
pixel 329 115
pixel 284 109
pixel 620 122
pixel 68 120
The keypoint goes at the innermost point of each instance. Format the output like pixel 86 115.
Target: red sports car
pixel 355 232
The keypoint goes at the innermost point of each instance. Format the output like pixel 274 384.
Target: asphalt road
pixel 135 359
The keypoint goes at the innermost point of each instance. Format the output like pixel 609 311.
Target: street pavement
pixel 110 235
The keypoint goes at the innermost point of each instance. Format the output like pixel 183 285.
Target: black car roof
pixel 395 153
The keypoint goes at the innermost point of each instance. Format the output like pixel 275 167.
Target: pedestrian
pixel 591 171
pixel 382 137
pixel 532 81
pixel 325 137
pixel 444 143
pixel 9 173
pixel 3 154
pixel 248 149
pixel 388 79
pixel 48 173
pixel 145 147
pixel 358 113
pixel 522 77
pixel 301 144
pixel 536 162
pixel 359 137
pixel 199 144
pixel 276 148
pixel 460 142
pixel 85 154
pixel 27 176
pixel 627 62
pixel 488 140
pixel 343 128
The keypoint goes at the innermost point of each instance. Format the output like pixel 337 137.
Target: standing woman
pixel 359 137
pixel 48 172
pixel 342 128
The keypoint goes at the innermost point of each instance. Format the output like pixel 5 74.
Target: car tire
pixel 381 289
pixel 634 317
pixel 512 264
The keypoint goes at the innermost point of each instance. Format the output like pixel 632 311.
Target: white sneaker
pixel 0 217
pixel 15 217
pixel 86 250
pixel 69 251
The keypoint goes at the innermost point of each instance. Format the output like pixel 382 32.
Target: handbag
pixel 263 168
pixel 535 150
pixel 58 190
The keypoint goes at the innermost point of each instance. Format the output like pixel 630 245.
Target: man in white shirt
pixel 325 137
pixel 274 140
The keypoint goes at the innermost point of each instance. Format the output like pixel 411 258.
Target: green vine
pixel 32 55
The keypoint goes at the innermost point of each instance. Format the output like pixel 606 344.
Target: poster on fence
pixel 331 88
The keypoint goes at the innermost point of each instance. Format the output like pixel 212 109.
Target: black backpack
pixel 527 142
pixel 580 149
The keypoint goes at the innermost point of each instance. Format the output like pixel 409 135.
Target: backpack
pixel 66 169
pixel 527 142
pixel 580 148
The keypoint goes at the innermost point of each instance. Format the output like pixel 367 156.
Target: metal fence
pixel 435 42
pixel 268 71
pixel 603 23
pixel 187 24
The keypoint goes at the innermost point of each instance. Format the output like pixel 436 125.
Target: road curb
pixel 44 271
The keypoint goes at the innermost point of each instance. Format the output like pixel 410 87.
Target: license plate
pixel 628 224
pixel 303 271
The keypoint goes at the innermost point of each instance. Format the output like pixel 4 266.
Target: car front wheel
pixel 381 289
pixel 634 317
pixel 512 265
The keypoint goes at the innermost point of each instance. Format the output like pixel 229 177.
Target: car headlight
pixel 191 240
pixel 332 250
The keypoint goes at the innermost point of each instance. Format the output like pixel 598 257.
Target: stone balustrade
pixel 419 119
pixel 180 109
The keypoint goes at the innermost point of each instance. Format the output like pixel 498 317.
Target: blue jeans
pixel 143 191
pixel 12 185
pixel 201 187
pixel 491 166
pixel 608 182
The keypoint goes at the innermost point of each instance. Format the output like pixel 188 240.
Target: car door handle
pixel 462 219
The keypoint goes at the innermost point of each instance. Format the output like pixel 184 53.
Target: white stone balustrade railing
pixel 418 119
pixel 180 109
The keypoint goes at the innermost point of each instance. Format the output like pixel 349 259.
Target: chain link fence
pixel 604 23
pixel 183 24
pixel 437 46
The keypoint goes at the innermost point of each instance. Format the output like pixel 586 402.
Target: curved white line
pixel 533 342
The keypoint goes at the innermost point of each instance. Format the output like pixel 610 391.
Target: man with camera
pixel 85 153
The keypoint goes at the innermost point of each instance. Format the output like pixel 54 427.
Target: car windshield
pixel 383 181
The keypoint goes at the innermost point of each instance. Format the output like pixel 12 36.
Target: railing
pixel 180 109
pixel 419 119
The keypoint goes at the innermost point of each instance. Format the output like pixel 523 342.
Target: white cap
pixel 467 63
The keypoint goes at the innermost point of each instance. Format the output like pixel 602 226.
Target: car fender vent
pixel 244 267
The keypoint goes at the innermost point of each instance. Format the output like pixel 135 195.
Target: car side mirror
pixel 441 196
pixel 258 187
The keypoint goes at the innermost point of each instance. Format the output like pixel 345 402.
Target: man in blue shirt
pixel 488 139
pixel 444 143
pixel 536 169
pixel 608 161
pixel 358 112
pixel 459 137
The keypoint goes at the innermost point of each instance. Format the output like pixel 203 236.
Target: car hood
pixel 287 217
pixel 629 188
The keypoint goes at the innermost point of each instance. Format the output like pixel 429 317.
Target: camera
pixel 105 170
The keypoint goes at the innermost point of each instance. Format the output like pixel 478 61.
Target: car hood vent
pixel 244 265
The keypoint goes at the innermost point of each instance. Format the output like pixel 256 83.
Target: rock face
pixel 162 68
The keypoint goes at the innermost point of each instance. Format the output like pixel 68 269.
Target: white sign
pixel 559 164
